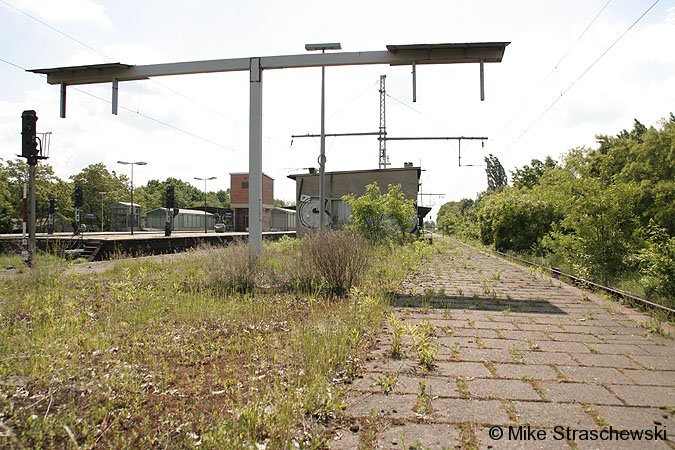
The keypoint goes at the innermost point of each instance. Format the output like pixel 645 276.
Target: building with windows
pixel 121 216
pixel 239 201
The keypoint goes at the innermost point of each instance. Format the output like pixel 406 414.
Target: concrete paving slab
pixel 427 436
pixel 579 393
pixel 535 352
pixel 645 395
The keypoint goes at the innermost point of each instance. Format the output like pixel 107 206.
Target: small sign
pixel 89 216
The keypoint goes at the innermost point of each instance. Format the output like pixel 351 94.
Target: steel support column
pixel 255 160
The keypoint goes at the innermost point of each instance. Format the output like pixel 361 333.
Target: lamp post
pixel 102 194
pixel 205 180
pixel 132 164
pixel 322 156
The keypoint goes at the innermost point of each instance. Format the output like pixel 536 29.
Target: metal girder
pixel 399 55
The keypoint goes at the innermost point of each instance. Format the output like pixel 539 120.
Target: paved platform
pixel 523 361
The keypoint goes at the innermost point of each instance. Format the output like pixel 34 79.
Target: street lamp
pixel 322 156
pixel 132 164
pixel 102 194
pixel 205 180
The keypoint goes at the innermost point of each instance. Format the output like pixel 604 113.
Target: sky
pixel 574 69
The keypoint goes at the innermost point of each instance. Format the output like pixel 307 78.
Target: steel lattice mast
pixel 384 161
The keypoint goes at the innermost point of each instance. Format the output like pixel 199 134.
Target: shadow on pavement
pixel 477 303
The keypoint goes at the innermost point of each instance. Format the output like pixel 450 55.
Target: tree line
pixel 605 213
pixel 100 187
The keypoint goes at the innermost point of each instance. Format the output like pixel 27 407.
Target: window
pixel 244 184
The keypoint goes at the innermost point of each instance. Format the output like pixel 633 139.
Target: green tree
pixel 95 179
pixel 528 176
pixel 516 220
pixel 458 218
pixel 380 217
pixel 153 194
pixel 7 208
pixel 496 176
pixel 597 233
pixel 47 185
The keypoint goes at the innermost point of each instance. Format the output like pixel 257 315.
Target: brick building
pixel 239 200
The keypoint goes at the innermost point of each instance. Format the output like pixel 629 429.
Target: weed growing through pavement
pixel 369 429
pixel 516 355
pixel 396 350
pixel 386 382
pixel 427 350
pixel 654 326
pixel 416 444
pixel 463 387
pixel 423 403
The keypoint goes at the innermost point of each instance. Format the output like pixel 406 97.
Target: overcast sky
pixel 197 125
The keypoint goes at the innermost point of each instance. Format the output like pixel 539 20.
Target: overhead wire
pixel 554 69
pixel 74 39
pixel 581 75
pixel 53 28
pixel 146 116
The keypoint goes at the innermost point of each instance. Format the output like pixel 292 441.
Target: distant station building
pixel 121 216
pixel 185 220
pixel 338 184
pixel 239 200
pixel 283 219
pixel 222 215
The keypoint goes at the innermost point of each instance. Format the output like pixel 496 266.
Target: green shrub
pixel 381 217
pixel 513 220
pixel 657 265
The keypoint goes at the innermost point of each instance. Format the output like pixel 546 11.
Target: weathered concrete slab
pixel 514 349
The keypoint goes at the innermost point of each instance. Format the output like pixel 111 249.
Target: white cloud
pixel 67 11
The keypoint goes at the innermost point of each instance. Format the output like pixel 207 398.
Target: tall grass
pixel 182 353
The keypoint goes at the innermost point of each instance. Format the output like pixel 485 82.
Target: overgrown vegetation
pixel 382 217
pixel 606 214
pixel 210 350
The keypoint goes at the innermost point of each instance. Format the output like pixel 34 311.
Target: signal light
pixel 28 134
pixel 170 197
pixel 78 198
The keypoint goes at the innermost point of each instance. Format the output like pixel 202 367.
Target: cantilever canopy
pixel 395 55
pixel 482 52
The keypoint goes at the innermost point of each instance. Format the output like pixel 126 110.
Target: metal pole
pixel 31 222
pixel 24 216
pixel 132 199
pixel 205 230
pixel 322 156
pixel 102 202
pixel 255 160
